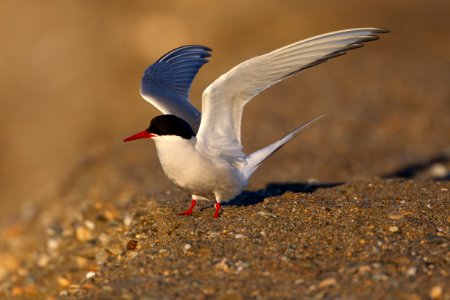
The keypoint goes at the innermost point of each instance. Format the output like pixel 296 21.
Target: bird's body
pixel 202 152
pixel 196 173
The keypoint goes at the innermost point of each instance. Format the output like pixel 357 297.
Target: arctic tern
pixel 201 152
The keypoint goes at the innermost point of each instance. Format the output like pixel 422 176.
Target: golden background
pixel 70 75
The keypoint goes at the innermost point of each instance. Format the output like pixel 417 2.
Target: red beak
pixel 140 135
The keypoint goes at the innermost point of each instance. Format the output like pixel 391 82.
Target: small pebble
pixel 327 282
pixel 207 291
pixel 380 277
pixel 50 231
pixel 89 224
pixel 299 281
pixel 127 220
pixel 240 265
pixel 411 271
pixel 111 215
pixel 393 229
pixel 212 234
pixel 364 269
pixel 187 247
pixel 81 261
pixel 63 293
pixel 436 292
pixel 67 232
pixel 239 236
pixel 395 216
pixel 104 239
pixel 63 281
pixel 131 245
pixel 90 275
pixel 43 260
pixel 264 213
pixel 74 286
pixel 222 265
pixel 53 244
pixel 83 234
pixel 438 170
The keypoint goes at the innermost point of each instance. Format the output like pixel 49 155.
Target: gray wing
pixel 167 82
pixel 224 100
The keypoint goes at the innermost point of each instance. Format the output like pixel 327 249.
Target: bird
pixel 201 153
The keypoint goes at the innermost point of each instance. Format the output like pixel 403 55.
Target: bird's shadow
pixel 413 170
pixel 410 171
pixel 277 189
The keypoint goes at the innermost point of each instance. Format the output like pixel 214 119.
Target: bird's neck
pixel 173 145
pixel 175 151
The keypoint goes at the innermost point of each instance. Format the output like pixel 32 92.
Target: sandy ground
pixel 355 208
pixel 363 239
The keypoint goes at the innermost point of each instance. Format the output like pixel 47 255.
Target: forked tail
pixel 256 158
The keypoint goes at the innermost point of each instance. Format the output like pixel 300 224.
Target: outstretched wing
pixel 166 83
pixel 224 99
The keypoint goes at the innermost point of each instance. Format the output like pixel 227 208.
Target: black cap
pixel 170 125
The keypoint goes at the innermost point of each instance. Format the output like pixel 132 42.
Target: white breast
pixel 196 173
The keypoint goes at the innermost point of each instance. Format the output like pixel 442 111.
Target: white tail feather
pixel 256 158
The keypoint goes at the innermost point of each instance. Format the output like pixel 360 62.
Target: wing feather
pixel 224 99
pixel 167 82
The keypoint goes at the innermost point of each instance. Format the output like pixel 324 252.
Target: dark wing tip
pixel 199 50
pixel 175 70
pixel 382 30
pixel 206 48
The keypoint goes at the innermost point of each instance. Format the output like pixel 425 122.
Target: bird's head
pixel 165 125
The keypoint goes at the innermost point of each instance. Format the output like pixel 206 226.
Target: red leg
pixel 216 214
pixel 189 211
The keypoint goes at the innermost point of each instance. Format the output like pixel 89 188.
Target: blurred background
pixel 70 75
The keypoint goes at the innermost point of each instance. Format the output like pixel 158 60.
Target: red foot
pixel 189 211
pixel 216 214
